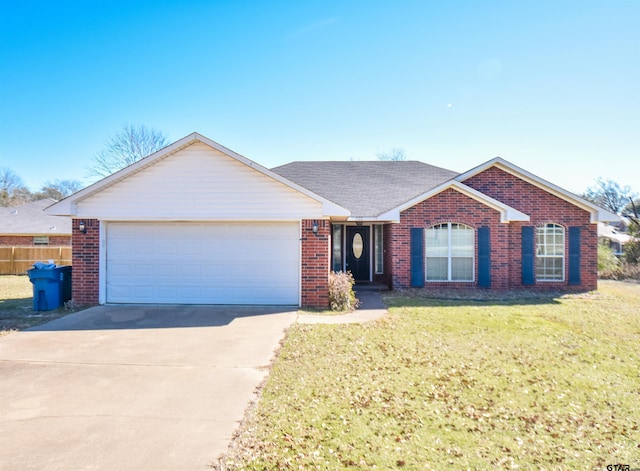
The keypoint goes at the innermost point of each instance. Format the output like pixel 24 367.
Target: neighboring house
pixel 611 237
pixel 28 235
pixel 197 223
pixel 29 225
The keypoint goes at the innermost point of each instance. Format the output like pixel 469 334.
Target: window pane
pixel 357 245
pixel 378 248
pixel 437 241
pixel 462 269
pixel 461 241
pixel 550 253
pixel 337 247
pixel 437 269
pixel 449 250
pixel 549 268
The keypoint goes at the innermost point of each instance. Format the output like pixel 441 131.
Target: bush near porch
pixel 546 383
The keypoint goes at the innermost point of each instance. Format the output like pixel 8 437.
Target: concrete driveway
pixel 132 387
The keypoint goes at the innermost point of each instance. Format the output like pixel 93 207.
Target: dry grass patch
pixel 547 383
pixel 16 305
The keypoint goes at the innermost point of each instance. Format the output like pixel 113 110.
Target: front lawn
pixel 550 383
pixel 16 305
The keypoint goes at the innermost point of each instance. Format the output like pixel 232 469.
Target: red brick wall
pixel 448 206
pixel 506 244
pixel 85 255
pixel 22 241
pixel 316 263
pixel 385 277
pixel 543 208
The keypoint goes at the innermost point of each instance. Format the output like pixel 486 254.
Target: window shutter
pixel 528 255
pixel 417 257
pixel 484 257
pixel 574 256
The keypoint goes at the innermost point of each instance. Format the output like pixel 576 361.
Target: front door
pixel 358 252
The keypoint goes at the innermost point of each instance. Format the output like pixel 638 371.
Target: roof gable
pixel 597 213
pixel 195 178
pixel 507 213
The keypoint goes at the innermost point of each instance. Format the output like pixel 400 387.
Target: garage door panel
pixel 213 263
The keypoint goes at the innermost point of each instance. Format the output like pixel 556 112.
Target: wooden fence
pixel 17 260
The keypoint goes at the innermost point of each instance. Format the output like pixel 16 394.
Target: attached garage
pixel 203 263
pixel 196 223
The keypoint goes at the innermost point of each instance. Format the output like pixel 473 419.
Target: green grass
pixel 16 305
pixel 534 384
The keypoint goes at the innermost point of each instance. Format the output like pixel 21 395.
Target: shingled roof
pixel 30 219
pixel 366 188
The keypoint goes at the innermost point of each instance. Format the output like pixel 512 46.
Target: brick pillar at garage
pixel 316 259
pixel 86 262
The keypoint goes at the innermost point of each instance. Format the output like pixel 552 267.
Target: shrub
pixel 341 294
pixel 632 252
pixel 607 261
pixel 625 271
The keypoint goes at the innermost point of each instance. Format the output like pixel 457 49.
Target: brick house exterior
pixel 28 225
pixel 448 206
pixel 228 231
pixel 505 239
pixel 315 263
pixel 542 207
pixel 85 254
pixel 29 240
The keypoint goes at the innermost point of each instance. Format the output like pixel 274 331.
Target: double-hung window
pixel 449 250
pixel 550 253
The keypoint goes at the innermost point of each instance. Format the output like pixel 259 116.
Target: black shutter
pixel 528 255
pixel 574 256
pixel 484 257
pixel 417 257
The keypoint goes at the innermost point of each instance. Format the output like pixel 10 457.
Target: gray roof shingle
pixel 366 188
pixel 30 219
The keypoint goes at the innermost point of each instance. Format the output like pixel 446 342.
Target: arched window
pixel 449 249
pixel 550 253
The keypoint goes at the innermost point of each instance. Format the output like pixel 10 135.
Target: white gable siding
pixel 199 183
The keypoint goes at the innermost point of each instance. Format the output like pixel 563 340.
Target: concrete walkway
pixel 371 308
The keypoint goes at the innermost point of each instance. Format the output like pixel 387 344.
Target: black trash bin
pixel 65 284
pixel 51 287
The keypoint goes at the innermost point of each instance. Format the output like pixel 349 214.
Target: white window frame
pixel 450 256
pixel 541 254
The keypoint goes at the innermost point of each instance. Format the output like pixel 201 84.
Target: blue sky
pixel 552 86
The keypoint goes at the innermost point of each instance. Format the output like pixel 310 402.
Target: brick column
pixel 86 261
pixel 315 261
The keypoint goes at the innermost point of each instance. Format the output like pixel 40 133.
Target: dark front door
pixel 358 252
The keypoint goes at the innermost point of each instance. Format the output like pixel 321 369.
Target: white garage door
pixel 203 263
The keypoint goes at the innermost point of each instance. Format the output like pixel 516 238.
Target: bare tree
pixel 58 189
pixel 632 249
pixel 12 189
pixel 393 154
pixel 609 194
pixel 131 144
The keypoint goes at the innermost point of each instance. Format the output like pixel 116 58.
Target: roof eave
pixel 602 215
